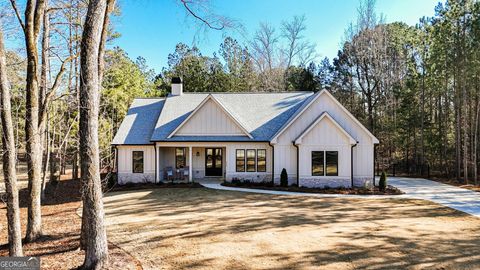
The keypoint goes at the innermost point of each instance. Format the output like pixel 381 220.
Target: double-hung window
pixel 240 160
pixel 251 160
pixel 261 160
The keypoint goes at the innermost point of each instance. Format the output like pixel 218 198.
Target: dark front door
pixel 213 162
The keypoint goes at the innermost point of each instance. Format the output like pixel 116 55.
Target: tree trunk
pixel 9 159
pixel 44 77
pixel 33 16
pixel 96 246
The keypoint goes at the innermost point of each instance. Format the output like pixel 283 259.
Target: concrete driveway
pixel 454 197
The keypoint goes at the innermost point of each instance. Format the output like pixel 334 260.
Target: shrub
pixel 236 181
pixel 284 178
pixel 109 180
pixel 382 185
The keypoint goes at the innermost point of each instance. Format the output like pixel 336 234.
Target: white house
pixel 244 136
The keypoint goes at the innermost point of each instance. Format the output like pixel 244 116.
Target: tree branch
pixel 15 8
pixel 38 16
pixel 51 93
pixel 185 4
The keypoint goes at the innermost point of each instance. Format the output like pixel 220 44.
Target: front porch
pixel 203 160
pixel 187 163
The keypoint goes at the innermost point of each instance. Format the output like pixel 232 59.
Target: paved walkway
pixel 415 188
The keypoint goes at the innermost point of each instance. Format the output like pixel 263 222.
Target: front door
pixel 213 162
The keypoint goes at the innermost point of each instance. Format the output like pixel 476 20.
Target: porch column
pixel 190 170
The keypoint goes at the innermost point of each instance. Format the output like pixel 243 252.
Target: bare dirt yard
pixel 59 248
pixel 211 229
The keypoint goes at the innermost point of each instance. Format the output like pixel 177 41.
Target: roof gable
pixel 199 121
pixel 312 101
pixel 324 117
pixel 261 114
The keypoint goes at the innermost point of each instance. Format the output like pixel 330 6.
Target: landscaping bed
pixel 138 186
pixel 390 190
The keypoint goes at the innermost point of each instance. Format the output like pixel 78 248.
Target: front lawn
pixel 212 229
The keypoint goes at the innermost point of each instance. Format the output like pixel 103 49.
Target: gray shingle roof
pixel 262 114
pixel 138 125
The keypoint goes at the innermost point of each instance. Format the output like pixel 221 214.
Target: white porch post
pixel 190 157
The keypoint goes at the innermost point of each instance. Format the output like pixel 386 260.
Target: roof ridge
pixel 149 98
pixel 249 92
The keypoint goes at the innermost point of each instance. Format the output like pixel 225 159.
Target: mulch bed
pixel 390 190
pixel 59 248
pixel 138 186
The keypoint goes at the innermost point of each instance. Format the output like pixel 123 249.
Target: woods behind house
pixel 64 90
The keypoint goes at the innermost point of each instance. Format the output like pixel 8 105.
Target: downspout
pixel 351 162
pixel 155 148
pixel 116 162
pixel 298 162
pixel 273 162
pixel 374 161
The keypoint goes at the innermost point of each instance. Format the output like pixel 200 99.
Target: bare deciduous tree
pixel 297 47
pixel 92 46
pixel 9 158
pixel 265 55
pixel 34 12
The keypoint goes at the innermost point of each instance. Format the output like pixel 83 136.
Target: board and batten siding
pixel 125 163
pixel 325 136
pixel 210 120
pixel 286 155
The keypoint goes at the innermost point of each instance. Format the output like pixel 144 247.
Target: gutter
pixel 273 162
pixel 298 163
pixel 351 162
pixel 204 141
pixel 374 160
